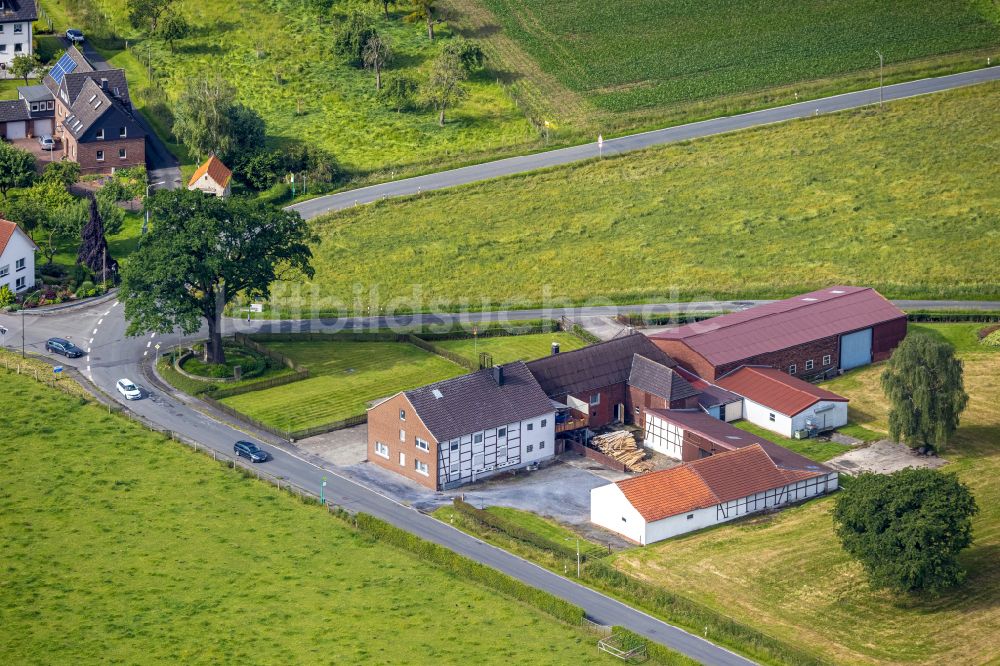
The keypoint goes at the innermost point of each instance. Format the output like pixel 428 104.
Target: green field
pixel 278 54
pixel 814 449
pixel 507 348
pixel 787 575
pixel 901 200
pixel 642 53
pixel 344 378
pixel 121 546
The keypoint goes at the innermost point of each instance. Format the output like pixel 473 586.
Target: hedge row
pixel 635 319
pixel 953 316
pixel 501 524
pixel 467 569
pixel 688 613
pixel 656 653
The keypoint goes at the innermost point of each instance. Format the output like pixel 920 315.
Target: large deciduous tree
pixel 201 253
pixel 444 85
pixel 145 14
pixel 907 528
pixel 173 27
pixel 923 382
pixel 424 11
pixel 349 41
pixel 17 168
pixel 23 65
pixel 376 53
pixel 209 120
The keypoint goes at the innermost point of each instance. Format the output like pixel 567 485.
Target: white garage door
pixel 16 130
pixel 43 127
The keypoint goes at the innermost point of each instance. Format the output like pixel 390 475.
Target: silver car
pixel 129 389
pixel 48 143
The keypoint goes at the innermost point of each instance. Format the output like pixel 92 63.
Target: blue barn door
pixel 856 349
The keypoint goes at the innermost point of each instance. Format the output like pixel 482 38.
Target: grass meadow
pixel 902 200
pixel 813 449
pixel 508 348
pixel 121 546
pixel 278 54
pixel 344 378
pixel 787 575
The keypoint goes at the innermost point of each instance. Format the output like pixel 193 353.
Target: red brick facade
pixel 886 337
pixel 603 413
pixel 386 426
pixel 639 401
pixel 87 154
pixel 694 447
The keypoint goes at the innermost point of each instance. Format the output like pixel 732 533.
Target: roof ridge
pixel 757 369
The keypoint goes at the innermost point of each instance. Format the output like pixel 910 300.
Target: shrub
pixel 277 193
pixel 501 524
pixel 993 339
pixel 6 296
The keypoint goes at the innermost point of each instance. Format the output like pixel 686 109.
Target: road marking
pixel 144 353
pixel 100 321
pixel 152 335
pixel 148 344
pixel 88 368
pixel 91 341
pixel 95 332
pixel 106 313
pixel 88 348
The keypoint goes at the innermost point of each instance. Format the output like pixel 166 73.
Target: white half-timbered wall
pixel 471 457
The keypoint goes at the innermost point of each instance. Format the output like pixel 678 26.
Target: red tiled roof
pixel 215 169
pixel 707 482
pixel 782 324
pixel 7 230
pixel 775 389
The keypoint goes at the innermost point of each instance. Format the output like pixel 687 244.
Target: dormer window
pixel 122 132
pixel 92 98
pixel 104 84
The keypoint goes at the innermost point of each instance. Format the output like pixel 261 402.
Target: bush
pixel 277 193
pixel 993 339
pixel 6 296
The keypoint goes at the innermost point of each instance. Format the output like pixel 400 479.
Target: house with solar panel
pixel 16 17
pixel 94 117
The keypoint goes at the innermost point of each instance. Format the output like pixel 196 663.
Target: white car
pixel 128 389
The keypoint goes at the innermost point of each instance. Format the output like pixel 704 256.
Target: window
pixel 690 516
pixel 3 48
pixel 544 422
pixel 530 448
pixel 478 438
pixel 402 415
pixel 531 426
pixel 402 459
pixel 100 135
pixel 50 105
pixel 636 410
pixel 5 270
pixel 770 416
pixel 402 435
pixel 18 28
pixel 422 445
pixel 502 432
pixel 791 369
pixel 421 467
pixel 382 449
pixel 18 47
pixel 122 154
pixel 595 399
pixel 624 520
pixel 20 284
pixel 19 264
pixel 826 360
pixel 454 445
pixel 34 106
pixel 122 133
pixel 809 364
pixel 541 445
pixel 100 155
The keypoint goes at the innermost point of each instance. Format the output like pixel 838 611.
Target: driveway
pixel 42 157
pixel 883 457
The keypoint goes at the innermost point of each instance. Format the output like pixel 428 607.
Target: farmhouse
pixel 663 504
pixel 213 177
pixel 812 336
pixel 16 17
pixel 593 383
pixel 94 115
pixel 463 429
pixel 17 257
pixel 787 405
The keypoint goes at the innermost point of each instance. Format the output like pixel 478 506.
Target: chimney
pixel 555 348
pixel 498 374
pixel 104 84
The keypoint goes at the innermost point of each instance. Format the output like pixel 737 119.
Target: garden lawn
pixel 122 546
pixel 787 575
pixel 278 54
pixel 508 348
pixel 814 449
pixel 344 378
pixel 641 53
pixel 898 200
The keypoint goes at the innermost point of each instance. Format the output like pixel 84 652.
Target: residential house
pixel 659 505
pixel 16 17
pixel 17 258
pixel 463 429
pixel 213 177
pixel 31 114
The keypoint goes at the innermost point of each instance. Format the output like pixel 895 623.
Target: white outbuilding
pixel 706 492
pixel 784 404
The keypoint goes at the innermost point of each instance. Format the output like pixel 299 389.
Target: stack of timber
pixel 621 446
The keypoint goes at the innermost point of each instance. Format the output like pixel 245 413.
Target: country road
pixel 514 165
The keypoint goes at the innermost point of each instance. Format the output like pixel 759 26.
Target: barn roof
pixel 782 324
pixel 709 395
pixel 704 483
pixel 776 390
pixel 659 380
pixel 595 366
pixel 215 169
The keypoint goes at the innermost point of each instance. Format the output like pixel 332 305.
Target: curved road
pixel 515 165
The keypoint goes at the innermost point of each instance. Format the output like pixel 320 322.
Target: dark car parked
pixel 64 347
pixel 251 451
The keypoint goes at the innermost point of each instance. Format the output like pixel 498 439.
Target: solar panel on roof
pixel 65 66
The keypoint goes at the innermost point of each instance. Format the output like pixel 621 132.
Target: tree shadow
pixel 200 49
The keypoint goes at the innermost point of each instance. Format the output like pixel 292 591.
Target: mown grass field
pixel 278 54
pixel 344 378
pixel 901 200
pixel 507 348
pixel 122 546
pixel 813 449
pixel 643 53
pixel 787 575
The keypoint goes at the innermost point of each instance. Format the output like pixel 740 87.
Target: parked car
pixel 64 347
pixel 74 36
pixel 128 389
pixel 48 143
pixel 251 451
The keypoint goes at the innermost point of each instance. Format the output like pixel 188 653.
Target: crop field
pixel 507 348
pixel 344 378
pixel 787 575
pixel 898 200
pixel 641 53
pixel 121 546
pixel 278 54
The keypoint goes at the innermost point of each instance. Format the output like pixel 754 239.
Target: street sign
pixel 156 346
pixel 57 369
pixel 256 307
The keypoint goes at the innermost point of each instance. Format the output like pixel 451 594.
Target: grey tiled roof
pixel 91 105
pixel 12 110
pixel 475 401
pixel 596 366
pixel 18 10
pixel 659 380
pixel 117 85
pixel 37 93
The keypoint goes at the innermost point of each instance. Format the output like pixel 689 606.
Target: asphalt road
pixel 514 165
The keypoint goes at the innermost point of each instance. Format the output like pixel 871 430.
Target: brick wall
pixel 686 357
pixel 604 413
pixel 384 425
pixel 637 398
pixel 594 454
pixel 86 153
pixel 798 355
pixel 886 337
pixel 694 444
